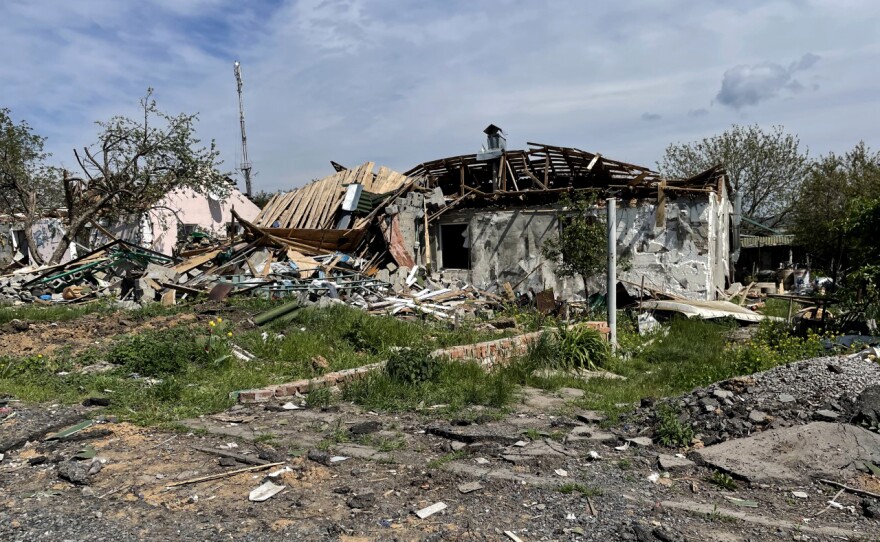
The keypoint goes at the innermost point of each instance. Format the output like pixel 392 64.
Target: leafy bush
pixel 670 431
pixel 773 345
pixel 412 366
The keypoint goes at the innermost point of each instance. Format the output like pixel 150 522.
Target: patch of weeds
pixel 574 487
pixel 624 464
pixel 672 432
pixel 716 515
pixel 156 353
pixel 722 480
pixel 266 438
pixel 581 347
pixel 320 397
pixel 440 461
pixel 533 434
pixel 455 384
pixel 390 444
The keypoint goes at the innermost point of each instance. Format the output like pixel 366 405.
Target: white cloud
pixel 401 82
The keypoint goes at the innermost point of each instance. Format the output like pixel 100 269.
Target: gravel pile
pixel 825 388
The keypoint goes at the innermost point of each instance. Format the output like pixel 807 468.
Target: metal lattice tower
pixel 245 165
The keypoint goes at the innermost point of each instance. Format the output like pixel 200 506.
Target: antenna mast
pixel 245 165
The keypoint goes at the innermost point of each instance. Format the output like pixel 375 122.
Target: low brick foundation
pixel 489 354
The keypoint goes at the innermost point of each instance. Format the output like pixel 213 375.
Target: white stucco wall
pixel 686 255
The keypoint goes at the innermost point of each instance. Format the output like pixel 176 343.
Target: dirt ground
pixel 78 335
pixel 536 480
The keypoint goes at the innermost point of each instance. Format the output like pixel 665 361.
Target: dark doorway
pixel 454 246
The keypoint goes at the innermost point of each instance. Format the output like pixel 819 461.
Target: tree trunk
pixel 34 256
pixel 75 226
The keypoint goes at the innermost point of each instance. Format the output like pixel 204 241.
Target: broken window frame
pixel 461 227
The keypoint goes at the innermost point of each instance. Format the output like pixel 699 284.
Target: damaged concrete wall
pixel 7 245
pixel 686 254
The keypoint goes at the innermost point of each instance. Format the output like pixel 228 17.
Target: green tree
pixel 581 248
pixel 765 167
pixel 134 164
pixel 27 184
pixel 831 217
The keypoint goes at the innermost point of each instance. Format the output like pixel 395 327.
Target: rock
pixel 870 509
pixel 470 487
pixel 722 394
pixel 756 416
pixel 867 410
pixel 781 456
pixel 37 460
pixel 640 441
pixel 458 446
pixel 19 325
pixel 79 472
pixel 800 494
pixel 834 368
pixel 786 398
pixel 570 393
pixel 364 498
pixel 591 416
pixel 671 463
pixel 825 415
pixel 319 457
pixel 365 428
pixel 227 462
pixel 96 401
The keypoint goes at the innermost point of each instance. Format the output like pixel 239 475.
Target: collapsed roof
pixel 547 170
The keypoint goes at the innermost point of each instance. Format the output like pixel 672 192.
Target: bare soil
pixel 546 488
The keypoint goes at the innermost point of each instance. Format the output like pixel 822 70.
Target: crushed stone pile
pixel 831 389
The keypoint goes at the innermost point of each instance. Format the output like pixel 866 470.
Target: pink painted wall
pixel 194 208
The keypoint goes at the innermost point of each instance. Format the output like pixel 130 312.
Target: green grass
pixel 52 313
pixel 440 461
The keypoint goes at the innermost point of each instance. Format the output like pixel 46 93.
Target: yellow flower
pixel 39 355
pixel 219 319
pixel 229 334
pixel 211 323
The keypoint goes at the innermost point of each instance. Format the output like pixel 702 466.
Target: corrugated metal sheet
pixel 755 241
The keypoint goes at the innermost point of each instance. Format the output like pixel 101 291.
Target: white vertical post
pixel 611 296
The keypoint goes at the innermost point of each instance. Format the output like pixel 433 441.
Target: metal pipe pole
pixel 611 296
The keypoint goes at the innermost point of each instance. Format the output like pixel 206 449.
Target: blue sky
pixel 398 82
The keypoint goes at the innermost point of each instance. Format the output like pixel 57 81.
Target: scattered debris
pixel 470 487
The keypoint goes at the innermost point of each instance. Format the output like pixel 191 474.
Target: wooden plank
pixel 304 200
pixel 302 261
pixel 192 263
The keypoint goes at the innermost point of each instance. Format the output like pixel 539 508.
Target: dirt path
pixel 533 470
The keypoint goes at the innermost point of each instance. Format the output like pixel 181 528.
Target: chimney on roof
pixel 495 138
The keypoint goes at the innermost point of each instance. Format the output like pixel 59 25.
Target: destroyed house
pixel 502 205
pixel 482 219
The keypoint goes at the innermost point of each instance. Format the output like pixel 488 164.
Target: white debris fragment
pixel 338 458
pixel 654 477
pixel 482 461
pixel 431 510
pixel 265 492
pixel 520 443
pixel 512 536
pixel 800 494
pixel 561 472
pixel 228 446
pixel 623 448
pixel 594 455
pixel 290 406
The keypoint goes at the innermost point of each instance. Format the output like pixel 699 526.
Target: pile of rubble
pixel 835 389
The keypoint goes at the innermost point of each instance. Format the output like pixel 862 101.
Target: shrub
pixel 412 366
pixel 773 345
